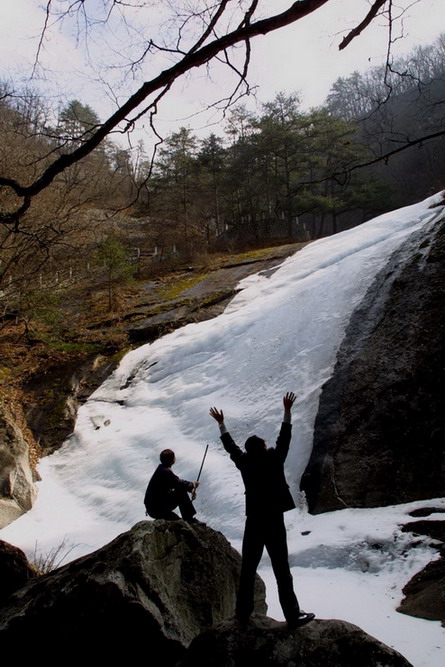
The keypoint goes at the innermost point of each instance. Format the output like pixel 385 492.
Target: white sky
pixel 303 57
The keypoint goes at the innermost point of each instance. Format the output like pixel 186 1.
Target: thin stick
pixel 202 463
pixel 199 473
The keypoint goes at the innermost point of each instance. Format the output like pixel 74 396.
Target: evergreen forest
pixel 282 174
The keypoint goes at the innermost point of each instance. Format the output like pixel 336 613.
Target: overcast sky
pixel 303 57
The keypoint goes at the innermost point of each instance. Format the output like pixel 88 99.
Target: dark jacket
pixel 266 489
pixel 161 494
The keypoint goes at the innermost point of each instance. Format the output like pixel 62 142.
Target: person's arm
pixel 236 454
pixel 177 482
pixel 288 401
pixel 218 415
pixel 283 440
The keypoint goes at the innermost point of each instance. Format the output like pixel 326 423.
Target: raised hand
pixel 289 400
pixel 217 414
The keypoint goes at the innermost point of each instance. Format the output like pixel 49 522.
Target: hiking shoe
pixel 300 619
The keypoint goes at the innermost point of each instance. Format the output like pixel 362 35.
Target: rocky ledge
pixel 165 592
pixel 268 642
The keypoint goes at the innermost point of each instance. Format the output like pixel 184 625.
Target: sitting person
pixel 165 491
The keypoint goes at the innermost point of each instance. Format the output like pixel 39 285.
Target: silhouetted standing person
pixel 267 498
pixel 165 491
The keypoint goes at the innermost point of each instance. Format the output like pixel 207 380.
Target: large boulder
pixel 17 489
pixel 164 593
pixel 15 571
pixel 425 592
pixel 268 642
pixel 379 433
pixel 160 584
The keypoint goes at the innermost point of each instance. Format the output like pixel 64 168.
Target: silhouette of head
pixel 167 457
pixel 255 445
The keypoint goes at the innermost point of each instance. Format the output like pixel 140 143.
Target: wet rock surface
pixel 380 429
pixel 52 399
pixel 207 299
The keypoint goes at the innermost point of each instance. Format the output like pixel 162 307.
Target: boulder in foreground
pixel 160 584
pixel 162 594
pixel 15 571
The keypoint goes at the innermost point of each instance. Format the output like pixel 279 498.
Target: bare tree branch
pixel 191 60
pixel 378 4
pixel 42 37
pixel 211 27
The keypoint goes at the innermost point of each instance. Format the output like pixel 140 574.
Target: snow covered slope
pixel 281 333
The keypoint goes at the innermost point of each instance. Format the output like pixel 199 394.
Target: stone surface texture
pixel 265 642
pixel 380 429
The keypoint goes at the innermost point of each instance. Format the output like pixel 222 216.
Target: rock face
pixel 380 430
pixel 15 571
pixel 425 593
pixel 207 299
pixel 17 490
pixel 53 398
pixel 49 411
pixel 161 583
pixel 267 642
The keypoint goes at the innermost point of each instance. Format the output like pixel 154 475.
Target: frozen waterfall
pixel 281 333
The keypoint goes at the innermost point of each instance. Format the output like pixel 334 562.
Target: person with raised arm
pixel 267 498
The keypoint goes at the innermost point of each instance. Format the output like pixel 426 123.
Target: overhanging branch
pixel 194 58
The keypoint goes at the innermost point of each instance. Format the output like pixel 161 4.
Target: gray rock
pixel 380 430
pixel 162 583
pixel 52 399
pixel 207 299
pixel 268 643
pixel 429 527
pixel 17 490
pixel 425 593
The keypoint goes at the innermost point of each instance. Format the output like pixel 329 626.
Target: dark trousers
pixel 176 498
pixel 269 532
